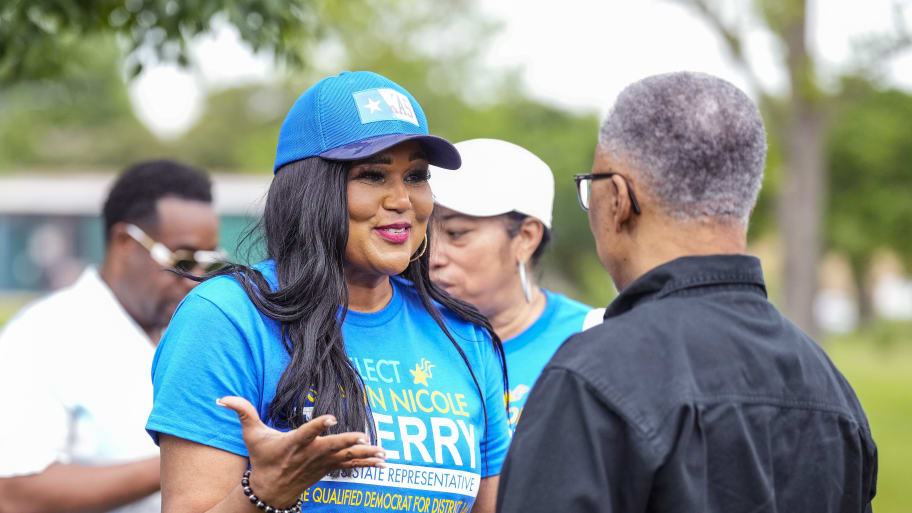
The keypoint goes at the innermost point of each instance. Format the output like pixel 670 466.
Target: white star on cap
pixel 372 105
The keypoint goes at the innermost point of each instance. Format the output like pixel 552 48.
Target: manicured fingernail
pixel 381 455
pixel 362 441
pixel 219 402
pixel 381 465
pixel 331 422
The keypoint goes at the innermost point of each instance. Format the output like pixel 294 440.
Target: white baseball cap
pixel 496 177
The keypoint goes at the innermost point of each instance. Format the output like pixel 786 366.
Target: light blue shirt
pixel 528 352
pixel 426 409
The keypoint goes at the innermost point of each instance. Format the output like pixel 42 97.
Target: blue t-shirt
pixel 426 408
pixel 528 352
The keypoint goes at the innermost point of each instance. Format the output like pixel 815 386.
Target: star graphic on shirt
pixel 372 105
pixel 422 372
pixel 517 393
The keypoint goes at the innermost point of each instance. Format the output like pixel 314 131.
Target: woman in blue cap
pixel 335 376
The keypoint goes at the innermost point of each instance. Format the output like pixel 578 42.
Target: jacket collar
pixel 688 273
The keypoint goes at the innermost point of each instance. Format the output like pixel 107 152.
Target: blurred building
pixel 50 224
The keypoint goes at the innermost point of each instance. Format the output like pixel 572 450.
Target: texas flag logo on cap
pixel 384 105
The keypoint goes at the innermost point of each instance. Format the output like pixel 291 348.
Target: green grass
pixel 878 364
pixel 10 304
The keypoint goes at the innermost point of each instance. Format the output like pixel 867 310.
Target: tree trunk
pixel 800 213
pixel 801 198
pixel 859 266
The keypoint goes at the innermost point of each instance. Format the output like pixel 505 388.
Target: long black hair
pixel 305 227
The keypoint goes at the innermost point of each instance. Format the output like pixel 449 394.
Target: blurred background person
pixel 74 366
pixel 494 224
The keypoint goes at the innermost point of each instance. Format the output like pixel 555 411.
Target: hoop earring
pixel 524 280
pixel 423 249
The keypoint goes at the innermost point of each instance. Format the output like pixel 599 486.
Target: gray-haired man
pixel 695 394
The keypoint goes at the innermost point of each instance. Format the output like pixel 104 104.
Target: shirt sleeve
pixel 36 423
pixel 202 356
pixel 572 452
pixel 497 437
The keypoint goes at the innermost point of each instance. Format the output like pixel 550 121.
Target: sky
pixel 574 53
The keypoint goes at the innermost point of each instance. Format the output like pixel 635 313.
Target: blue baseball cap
pixel 354 115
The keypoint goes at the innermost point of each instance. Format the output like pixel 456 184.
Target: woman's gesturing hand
pixel 283 464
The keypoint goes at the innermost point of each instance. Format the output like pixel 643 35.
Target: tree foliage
pixel 81 118
pixel 870 202
pixel 36 34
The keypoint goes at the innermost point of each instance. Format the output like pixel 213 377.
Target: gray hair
pixel 697 141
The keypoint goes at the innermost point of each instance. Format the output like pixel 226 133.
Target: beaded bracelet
pixel 245 482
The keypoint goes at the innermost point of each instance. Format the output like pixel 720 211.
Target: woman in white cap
pixel 493 221
pixel 274 381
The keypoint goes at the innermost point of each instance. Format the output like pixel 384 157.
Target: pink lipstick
pixel 397 233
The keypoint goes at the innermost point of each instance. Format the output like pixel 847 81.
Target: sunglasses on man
pixel 185 260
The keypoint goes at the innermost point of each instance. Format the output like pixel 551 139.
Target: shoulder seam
pixel 613 404
pixel 793 404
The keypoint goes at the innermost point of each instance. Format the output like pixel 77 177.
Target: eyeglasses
pixel 184 260
pixel 584 189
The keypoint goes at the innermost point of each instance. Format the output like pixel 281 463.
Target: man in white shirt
pixel 75 390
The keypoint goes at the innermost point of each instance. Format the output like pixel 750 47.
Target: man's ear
pixel 119 241
pixel 117 250
pixel 620 202
pixel 529 237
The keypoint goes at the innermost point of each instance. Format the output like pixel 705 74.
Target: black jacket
pixel 694 395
